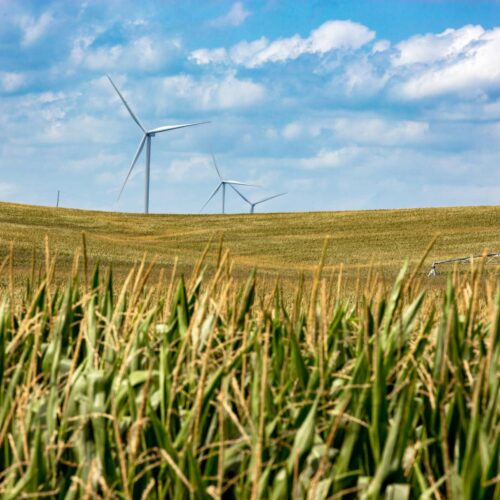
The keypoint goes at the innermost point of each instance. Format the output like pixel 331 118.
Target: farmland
pixel 207 389
pixel 277 244
pixel 210 380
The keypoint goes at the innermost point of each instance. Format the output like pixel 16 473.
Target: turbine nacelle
pixel 146 139
pixel 253 204
pixel 222 184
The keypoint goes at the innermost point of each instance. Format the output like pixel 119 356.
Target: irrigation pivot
pixel 222 184
pixel 146 140
pixel 463 260
pixel 253 203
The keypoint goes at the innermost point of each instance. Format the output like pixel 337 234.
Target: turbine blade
pixel 211 196
pixel 216 167
pixel 241 194
pixel 269 198
pixel 138 152
pixel 166 128
pixel 238 183
pixel 136 120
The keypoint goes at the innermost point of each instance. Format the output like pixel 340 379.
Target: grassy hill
pixel 278 244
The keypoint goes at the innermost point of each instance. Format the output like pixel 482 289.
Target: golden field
pixel 283 244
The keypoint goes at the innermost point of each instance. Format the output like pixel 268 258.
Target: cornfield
pixel 204 388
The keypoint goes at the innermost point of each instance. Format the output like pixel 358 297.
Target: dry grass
pixel 278 244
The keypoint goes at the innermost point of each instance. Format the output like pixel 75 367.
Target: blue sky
pixel 344 104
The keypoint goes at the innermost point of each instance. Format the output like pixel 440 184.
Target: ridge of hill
pixel 277 244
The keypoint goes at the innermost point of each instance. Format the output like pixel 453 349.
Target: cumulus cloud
pixel 429 48
pixel 376 130
pixel 329 36
pixel 182 169
pixel 461 61
pixel 143 53
pixel 292 130
pixel 381 46
pixel 360 77
pixel 88 163
pixel 360 129
pixel 78 129
pixel 235 17
pixel 10 82
pixel 212 93
pixel 327 158
pixel 33 29
pixel 207 56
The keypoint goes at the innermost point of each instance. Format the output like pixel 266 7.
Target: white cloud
pixel 212 93
pixel 331 35
pixel 381 131
pixel 207 56
pixel 327 158
pixel 429 48
pixel 381 46
pixel 360 78
pixel 292 130
pixel 74 130
pixel 33 29
pixel 242 53
pixel 89 163
pixel 139 22
pixel 462 62
pixel 468 65
pixel 338 35
pixel 235 17
pixel 465 111
pixel 143 53
pixel 197 166
pixel 9 82
pixel 49 97
pixel 360 129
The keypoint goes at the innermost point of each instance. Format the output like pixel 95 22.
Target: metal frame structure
pixel 253 203
pixel 463 260
pixel 222 184
pixel 146 139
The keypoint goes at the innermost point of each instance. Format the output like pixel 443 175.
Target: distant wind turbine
pixel 253 203
pixel 222 184
pixel 146 139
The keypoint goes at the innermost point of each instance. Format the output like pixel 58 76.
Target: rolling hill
pixel 282 244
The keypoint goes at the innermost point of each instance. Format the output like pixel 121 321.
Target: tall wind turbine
pixel 252 204
pixel 222 184
pixel 146 139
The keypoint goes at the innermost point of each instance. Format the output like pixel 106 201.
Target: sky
pixel 343 104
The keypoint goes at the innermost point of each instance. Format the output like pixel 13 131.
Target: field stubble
pixel 284 245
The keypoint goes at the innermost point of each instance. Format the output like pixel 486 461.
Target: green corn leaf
pixel 304 438
pixel 298 364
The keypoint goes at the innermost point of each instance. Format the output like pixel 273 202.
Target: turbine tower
pixel 252 204
pixel 222 184
pixel 146 139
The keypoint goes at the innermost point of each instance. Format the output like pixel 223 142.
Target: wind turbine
pixel 252 204
pixel 222 184
pixel 146 139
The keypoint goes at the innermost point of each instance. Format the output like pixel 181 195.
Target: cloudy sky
pixel 344 104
